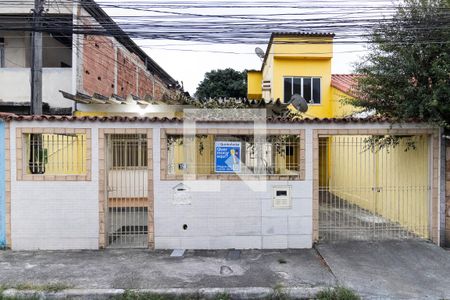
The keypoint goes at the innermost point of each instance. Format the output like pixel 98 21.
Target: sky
pixel 188 61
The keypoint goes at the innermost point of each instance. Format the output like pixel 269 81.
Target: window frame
pixel 21 159
pixel 301 87
pixel 142 140
pixel 164 170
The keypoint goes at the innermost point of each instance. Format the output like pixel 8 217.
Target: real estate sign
pixel 227 157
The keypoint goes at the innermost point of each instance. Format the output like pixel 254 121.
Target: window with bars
pixel 307 87
pixel 128 150
pixel 55 153
pixel 274 155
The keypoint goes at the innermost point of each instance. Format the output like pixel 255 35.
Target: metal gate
pixel 374 187
pixel 127 190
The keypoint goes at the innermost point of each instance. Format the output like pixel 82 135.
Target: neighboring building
pixel 107 63
pixel 300 63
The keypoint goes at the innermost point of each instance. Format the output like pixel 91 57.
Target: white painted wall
pixel 64 215
pixel 232 216
pixel 15 85
pixel 17 49
pixel 128 183
pixel 54 215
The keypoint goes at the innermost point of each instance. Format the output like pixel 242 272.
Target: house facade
pixel 117 182
pixel 104 63
pixel 300 63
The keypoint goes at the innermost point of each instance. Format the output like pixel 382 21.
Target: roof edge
pixel 346 120
pixel 297 34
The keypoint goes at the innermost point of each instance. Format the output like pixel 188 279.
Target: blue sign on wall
pixel 227 156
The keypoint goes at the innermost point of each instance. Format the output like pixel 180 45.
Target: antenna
pixel 260 53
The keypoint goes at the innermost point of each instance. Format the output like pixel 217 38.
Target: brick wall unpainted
pixel 100 65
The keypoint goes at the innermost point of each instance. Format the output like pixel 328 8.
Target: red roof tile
pixel 345 82
pixel 13 117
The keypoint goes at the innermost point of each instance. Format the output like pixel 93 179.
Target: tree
pixel 227 83
pixel 407 71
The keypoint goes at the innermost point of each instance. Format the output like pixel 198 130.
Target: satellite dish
pixel 299 103
pixel 260 52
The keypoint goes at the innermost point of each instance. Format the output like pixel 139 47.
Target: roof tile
pixel 346 83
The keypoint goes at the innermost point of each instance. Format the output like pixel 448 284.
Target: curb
pixel 201 293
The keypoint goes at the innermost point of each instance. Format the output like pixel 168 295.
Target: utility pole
pixel 36 59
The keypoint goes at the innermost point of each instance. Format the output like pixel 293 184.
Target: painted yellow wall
pixel 402 176
pixel 90 113
pixel 303 47
pixel 297 56
pixel 254 88
pixel 338 108
pixel 288 67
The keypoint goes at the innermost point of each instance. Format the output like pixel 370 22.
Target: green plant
pixel 222 296
pixel 278 293
pixel 133 295
pixel 338 293
pixel 405 74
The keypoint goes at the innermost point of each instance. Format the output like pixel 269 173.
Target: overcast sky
pixel 188 61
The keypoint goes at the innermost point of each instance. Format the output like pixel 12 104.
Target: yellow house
pixel 300 63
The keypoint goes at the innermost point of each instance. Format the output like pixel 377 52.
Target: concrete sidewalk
pixel 390 269
pixel 143 269
pixel 382 270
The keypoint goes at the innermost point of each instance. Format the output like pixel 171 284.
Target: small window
pixel 308 87
pixel 2 52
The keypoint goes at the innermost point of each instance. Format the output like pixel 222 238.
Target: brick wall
pixel 126 75
pixel 145 84
pixel 98 65
pixel 102 70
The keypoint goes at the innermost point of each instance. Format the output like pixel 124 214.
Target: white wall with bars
pixel 231 214
pixel 65 214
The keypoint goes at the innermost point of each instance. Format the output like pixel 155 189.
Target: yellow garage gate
pixel 374 191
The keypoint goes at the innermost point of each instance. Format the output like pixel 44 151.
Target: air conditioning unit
pixel 266 85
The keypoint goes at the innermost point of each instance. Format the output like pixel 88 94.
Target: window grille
pixel 128 150
pixel 55 154
pixel 275 155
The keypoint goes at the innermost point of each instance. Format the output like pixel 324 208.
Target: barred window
pixel 128 150
pixel 233 154
pixel 55 153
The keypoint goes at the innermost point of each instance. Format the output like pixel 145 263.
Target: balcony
pixel 15 85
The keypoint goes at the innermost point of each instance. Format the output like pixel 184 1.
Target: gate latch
pixel 377 189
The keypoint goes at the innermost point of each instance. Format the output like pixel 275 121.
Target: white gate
pixel 127 190
pixel 368 192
